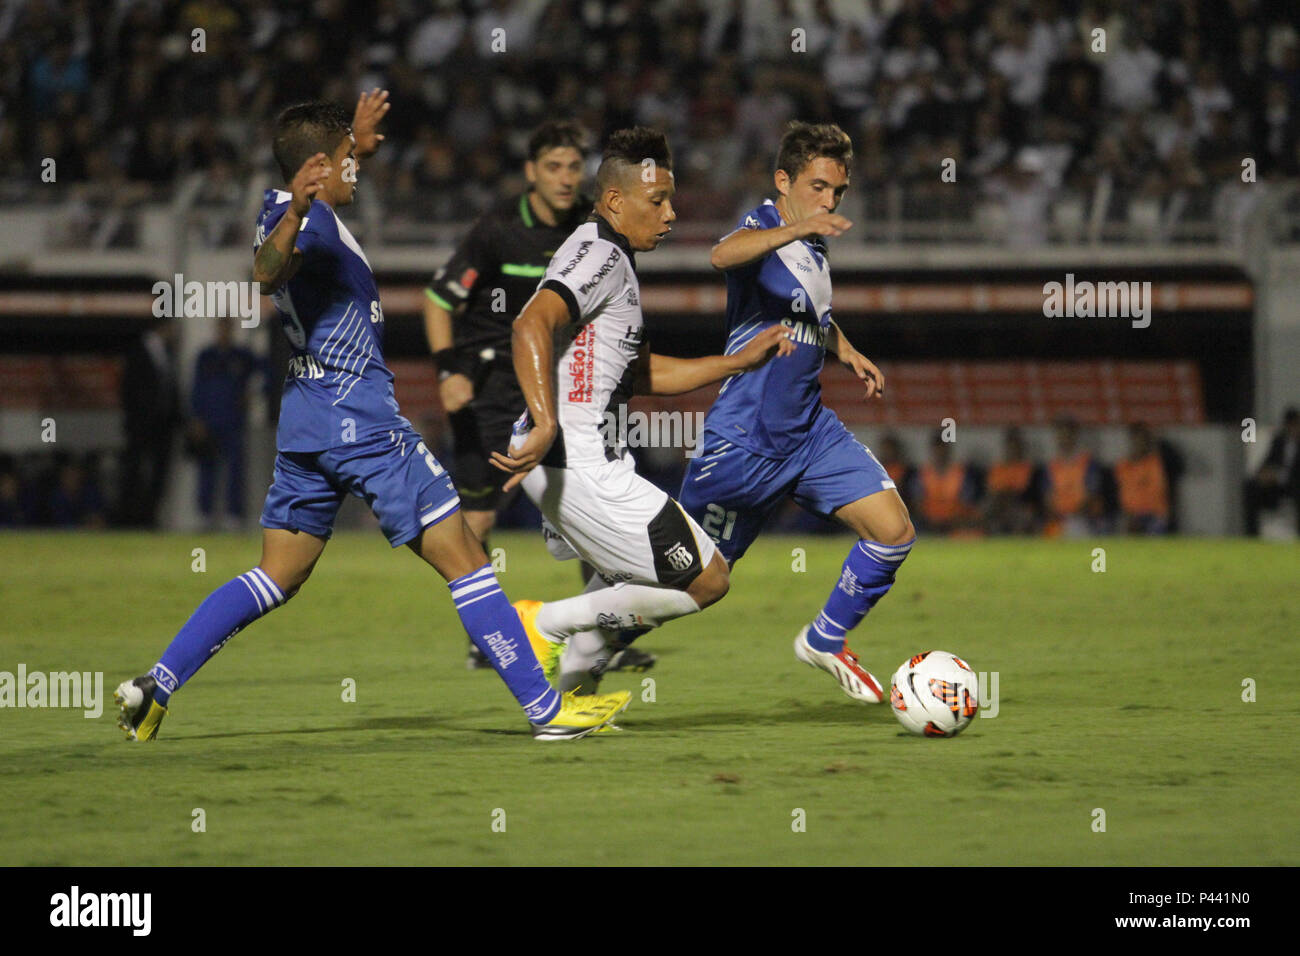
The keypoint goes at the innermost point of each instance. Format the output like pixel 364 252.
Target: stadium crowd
pixel 1017 93
pixel 1072 493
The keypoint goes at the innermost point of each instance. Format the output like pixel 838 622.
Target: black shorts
pixel 480 428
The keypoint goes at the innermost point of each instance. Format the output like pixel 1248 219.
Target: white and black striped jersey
pixel 594 272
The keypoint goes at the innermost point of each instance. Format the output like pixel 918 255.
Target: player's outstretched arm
pixel 747 245
pixel 665 375
pixel 532 345
pixel 276 259
pixel 863 367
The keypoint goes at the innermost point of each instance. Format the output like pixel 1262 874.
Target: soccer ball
pixel 935 694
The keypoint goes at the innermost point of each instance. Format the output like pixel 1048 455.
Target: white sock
pixel 621 607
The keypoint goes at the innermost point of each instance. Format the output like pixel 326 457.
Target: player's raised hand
pixel 371 108
pixel 825 224
pixel 307 182
pixel 522 459
pixel 766 345
pixel 866 370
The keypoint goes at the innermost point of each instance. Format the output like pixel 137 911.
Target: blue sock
pixel 223 614
pixel 494 627
pixel 868 573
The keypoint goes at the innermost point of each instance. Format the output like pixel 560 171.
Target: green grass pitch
pixel 1120 691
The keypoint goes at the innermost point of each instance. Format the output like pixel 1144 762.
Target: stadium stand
pixel 1063 142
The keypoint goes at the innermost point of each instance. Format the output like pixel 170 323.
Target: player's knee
pixel 891 526
pixel 898 529
pixel 288 583
pixel 906 533
pixel 712 584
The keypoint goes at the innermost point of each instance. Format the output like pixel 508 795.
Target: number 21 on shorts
pixel 718 522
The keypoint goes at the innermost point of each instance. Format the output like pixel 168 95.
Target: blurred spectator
pixel 1013 504
pixel 219 404
pixel 1024 64
pixel 1074 493
pixel 57 72
pixel 1143 484
pixel 1025 188
pixel 762 115
pixel 1129 73
pixel 849 70
pixel 894 461
pixel 151 413
pixel 1278 478
pixel 11 504
pixel 947 491
pixel 1208 96
pixel 1276 133
pixel 51 489
pixel 75 501
pixel 912 55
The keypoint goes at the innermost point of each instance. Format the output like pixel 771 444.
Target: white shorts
pixel 620 523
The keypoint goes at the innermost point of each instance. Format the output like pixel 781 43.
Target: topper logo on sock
pixel 849 583
pixel 504 650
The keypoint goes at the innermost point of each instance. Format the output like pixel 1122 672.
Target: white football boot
pixel 855 680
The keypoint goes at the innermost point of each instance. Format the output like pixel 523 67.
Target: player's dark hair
pixel 804 142
pixel 306 129
pixel 558 134
pixel 632 147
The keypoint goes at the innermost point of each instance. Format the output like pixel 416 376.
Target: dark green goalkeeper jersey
pixel 493 273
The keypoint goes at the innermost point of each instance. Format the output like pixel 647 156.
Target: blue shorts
pixel 730 490
pixel 393 472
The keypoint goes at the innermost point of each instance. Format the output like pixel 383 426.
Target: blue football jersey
pixel 338 389
pixel 771 410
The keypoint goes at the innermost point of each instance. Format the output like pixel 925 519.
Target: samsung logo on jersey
pixel 582 252
pixel 606 267
pixel 805 333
